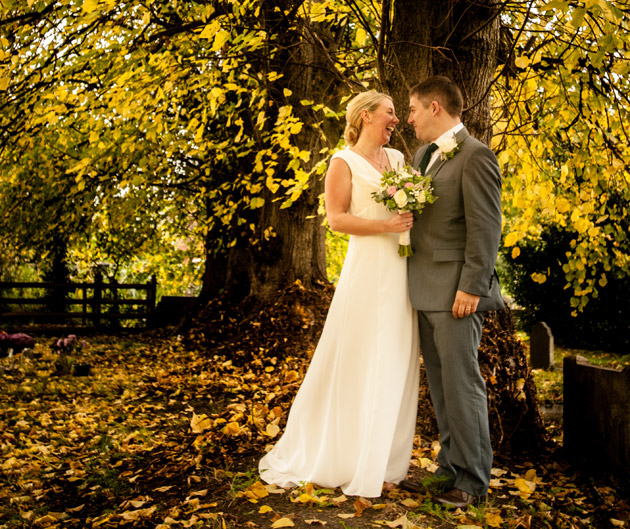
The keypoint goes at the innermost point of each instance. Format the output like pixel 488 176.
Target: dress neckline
pixel 370 164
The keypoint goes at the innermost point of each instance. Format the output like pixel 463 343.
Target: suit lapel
pixel 460 138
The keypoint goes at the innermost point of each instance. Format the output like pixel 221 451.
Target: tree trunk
pixel 295 249
pixel 457 38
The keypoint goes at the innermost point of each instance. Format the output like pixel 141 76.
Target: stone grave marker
pixel 541 346
pixel 596 419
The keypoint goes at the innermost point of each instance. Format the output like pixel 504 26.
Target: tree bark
pixel 456 38
pixel 296 247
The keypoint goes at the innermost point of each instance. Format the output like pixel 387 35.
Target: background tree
pixel 200 124
pixel 562 123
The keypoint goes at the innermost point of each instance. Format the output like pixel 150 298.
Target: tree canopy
pixel 157 135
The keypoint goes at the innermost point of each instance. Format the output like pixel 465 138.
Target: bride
pixel 352 422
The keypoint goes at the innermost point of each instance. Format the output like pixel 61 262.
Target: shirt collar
pixel 449 133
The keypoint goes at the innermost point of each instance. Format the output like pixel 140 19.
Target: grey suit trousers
pixel 458 392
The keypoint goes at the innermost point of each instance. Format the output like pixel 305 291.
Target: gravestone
pixel 596 420
pixel 541 346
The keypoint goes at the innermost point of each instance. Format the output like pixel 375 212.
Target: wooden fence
pixel 99 304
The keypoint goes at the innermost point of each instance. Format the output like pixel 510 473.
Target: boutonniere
pixel 448 147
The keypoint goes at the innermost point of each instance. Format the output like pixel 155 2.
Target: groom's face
pixel 420 116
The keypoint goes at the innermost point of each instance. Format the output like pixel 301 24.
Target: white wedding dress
pixel 353 419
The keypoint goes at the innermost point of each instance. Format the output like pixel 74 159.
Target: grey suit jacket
pixel 456 239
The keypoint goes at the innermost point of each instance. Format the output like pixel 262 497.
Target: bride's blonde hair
pixel 354 122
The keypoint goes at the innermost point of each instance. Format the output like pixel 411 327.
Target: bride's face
pixel 383 120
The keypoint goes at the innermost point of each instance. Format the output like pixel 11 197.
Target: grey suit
pixel 455 242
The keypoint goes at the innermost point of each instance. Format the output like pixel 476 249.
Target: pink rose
pixel 408 184
pixel 391 191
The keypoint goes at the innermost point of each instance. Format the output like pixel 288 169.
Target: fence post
pixel 97 298
pixel 151 295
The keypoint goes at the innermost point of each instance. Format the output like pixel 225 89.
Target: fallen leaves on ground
pixel 166 433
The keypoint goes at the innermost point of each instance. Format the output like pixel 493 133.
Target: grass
pixel 549 382
pixel 243 480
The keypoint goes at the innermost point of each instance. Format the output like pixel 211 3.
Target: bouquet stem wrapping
pixel 404 242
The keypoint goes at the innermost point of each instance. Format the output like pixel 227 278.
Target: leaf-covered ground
pixel 166 432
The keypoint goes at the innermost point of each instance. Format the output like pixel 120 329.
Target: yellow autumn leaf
pixel 272 430
pixel 530 475
pixel 424 462
pixel 258 490
pixel 81 165
pixel 360 36
pixel 399 522
pixel 410 503
pixel 282 522
pixel 493 519
pixel 10 463
pixel 210 30
pixel 4 83
pixel 291 376
pixel 89 5
pixel 201 493
pixel 522 62
pixel 200 423
pixel 538 278
pixel 307 498
pixel 516 251
pixel 137 514
pixel 339 499
pixel 265 509
pixel 526 488
pixel 361 504
pixel 511 238
pixel 45 521
pixel 257 202
pixel 220 39
pixel 232 428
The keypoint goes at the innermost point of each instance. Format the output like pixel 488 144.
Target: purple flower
pixel 69 342
pixel 17 341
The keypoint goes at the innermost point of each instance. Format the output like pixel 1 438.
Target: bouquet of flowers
pixel 404 190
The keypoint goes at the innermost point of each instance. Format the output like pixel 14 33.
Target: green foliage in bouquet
pixel 405 190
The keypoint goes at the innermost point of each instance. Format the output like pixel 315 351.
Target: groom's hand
pixel 465 304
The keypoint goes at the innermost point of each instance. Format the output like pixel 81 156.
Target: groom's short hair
pixel 443 90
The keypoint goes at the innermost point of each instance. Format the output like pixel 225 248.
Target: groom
pixel 452 282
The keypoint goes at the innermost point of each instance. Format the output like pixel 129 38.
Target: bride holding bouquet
pixel 353 419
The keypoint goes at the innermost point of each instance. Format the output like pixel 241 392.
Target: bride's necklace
pixel 379 164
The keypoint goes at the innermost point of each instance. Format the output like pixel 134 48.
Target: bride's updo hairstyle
pixel 354 122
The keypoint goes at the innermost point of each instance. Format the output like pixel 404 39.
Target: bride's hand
pixel 399 222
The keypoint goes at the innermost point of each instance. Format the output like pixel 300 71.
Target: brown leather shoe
pixel 430 483
pixel 412 486
pixel 455 498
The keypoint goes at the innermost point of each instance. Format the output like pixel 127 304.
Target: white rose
pixel 446 144
pixel 422 197
pixel 400 197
